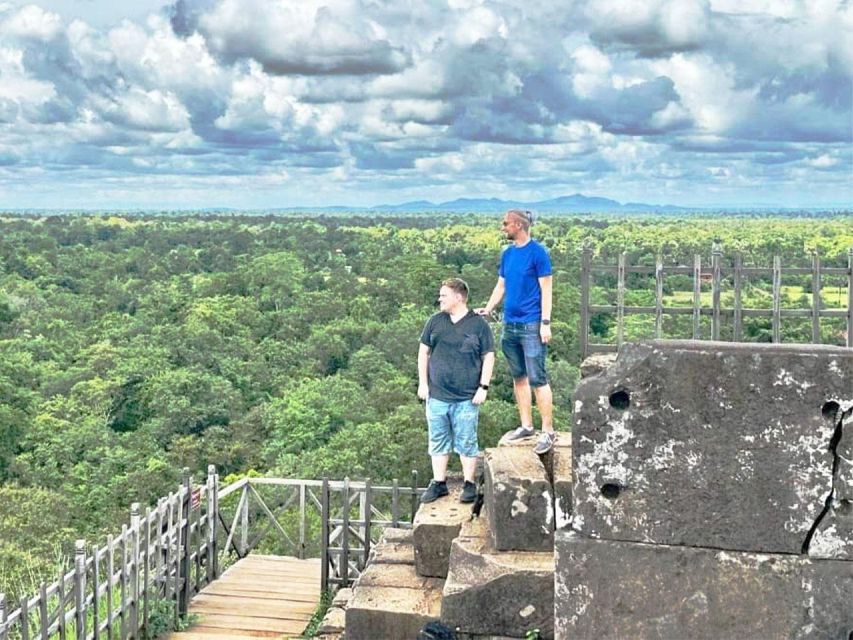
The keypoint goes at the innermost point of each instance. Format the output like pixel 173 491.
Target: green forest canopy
pixel 131 347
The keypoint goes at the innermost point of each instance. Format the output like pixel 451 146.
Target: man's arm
pixel 423 362
pixel 546 284
pixel 485 377
pixel 494 299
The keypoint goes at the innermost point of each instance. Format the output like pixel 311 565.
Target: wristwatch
pixel 484 387
pixel 546 322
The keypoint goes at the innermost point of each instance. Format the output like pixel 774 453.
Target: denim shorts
pixel 525 352
pixel 452 425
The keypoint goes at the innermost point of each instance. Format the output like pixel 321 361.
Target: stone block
pixel 403 576
pixel 596 363
pixel 390 613
pixel 500 593
pixel 833 537
pixel 519 497
pixel 708 444
pixel 333 621
pixel 562 483
pixel 614 590
pixel 436 525
pixel 342 598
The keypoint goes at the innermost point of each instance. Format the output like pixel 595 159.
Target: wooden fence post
pixel 24 620
pixel 44 619
pixel 697 294
pixel 777 299
pixel 850 297
pixel 212 517
pixel 244 521
pixel 414 494
pixel 345 540
pixel 184 525
pixel 302 489
pixel 96 591
pixel 3 632
pixel 80 587
pixel 659 297
pixel 620 300
pixel 367 506
pixel 395 504
pixel 133 570
pixel 586 260
pixel 110 574
pixel 146 567
pixel 324 535
pixel 716 257
pixel 816 297
pixel 738 310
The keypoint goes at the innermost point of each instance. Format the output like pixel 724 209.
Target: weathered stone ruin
pixel 712 495
pixel 707 493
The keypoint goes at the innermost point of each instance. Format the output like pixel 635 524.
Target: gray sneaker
pixel 521 433
pixel 545 442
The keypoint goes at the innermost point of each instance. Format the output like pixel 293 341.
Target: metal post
pixel 586 260
pixel 697 294
pixel 777 299
pixel 716 255
pixel 80 587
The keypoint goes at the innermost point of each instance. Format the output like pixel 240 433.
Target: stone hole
pixel 830 410
pixel 620 400
pixel 611 490
pixel 844 508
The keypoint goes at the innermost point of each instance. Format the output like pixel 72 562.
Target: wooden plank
pixel 212 633
pixel 241 623
pixel 261 594
pixel 283 610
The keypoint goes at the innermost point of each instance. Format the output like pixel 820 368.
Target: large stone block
pixel 503 593
pixel 708 444
pixel 436 525
pixel 519 497
pixel 833 537
pixel 562 482
pixel 390 613
pixel 607 589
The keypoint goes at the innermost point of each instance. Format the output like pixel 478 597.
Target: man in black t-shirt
pixel 455 361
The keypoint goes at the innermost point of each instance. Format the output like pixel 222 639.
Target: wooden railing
pixel 141 582
pixel 714 275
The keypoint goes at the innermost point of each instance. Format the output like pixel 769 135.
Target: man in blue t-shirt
pixel 525 283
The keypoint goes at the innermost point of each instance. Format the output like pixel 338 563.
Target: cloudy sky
pixel 277 103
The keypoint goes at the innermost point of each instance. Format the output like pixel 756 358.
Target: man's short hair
pixel 457 285
pixel 525 217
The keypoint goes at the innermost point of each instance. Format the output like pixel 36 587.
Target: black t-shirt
pixel 456 355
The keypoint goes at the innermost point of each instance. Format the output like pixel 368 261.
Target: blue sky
pixel 278 103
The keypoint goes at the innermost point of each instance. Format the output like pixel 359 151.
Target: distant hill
pixel 577 203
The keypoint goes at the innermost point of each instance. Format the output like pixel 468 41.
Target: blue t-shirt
pixel 521 268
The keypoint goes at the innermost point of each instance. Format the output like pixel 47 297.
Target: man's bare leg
pixel 545 403
pixel 524 401
pixel 469 467
pixel 439 467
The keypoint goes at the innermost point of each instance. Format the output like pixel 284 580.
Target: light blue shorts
pixel 452 426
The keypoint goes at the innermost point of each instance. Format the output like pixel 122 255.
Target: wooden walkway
pixel 258 597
